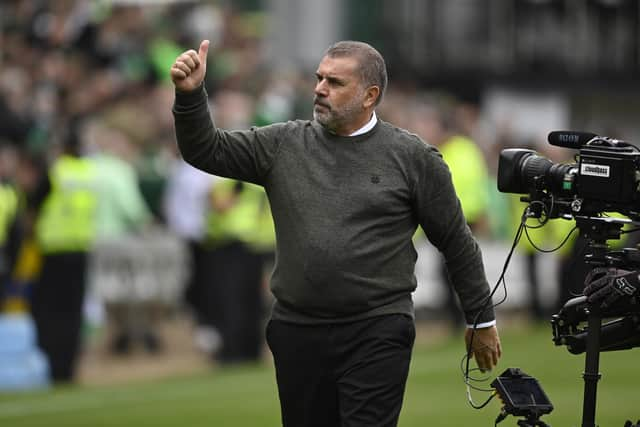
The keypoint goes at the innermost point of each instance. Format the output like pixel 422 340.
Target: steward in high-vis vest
pixel 65 231
pixel 8 211
pixel 240 233
pixel 470 176
pixel 67 218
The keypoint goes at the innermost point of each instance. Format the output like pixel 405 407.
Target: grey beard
pixel 330 121
pixel 324 120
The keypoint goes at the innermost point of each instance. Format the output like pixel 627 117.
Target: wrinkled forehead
pixel 344 66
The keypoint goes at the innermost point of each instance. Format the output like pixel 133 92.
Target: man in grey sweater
pixel 347 192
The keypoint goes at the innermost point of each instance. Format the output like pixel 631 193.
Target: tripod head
pixel 570 330
pixel 623 332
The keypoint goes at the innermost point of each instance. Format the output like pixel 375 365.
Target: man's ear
pixel 371 96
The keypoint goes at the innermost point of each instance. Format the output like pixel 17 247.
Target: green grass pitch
pixel 436 396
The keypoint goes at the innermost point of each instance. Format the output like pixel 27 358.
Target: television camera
pixel 605 178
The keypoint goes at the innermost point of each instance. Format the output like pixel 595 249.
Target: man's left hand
pixel 485 346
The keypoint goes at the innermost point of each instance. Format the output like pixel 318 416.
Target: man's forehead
pixel 338 65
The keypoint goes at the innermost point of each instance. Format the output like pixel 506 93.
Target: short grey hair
pixel 373 70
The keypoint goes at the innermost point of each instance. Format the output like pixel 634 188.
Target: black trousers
pixel 194 293
pixel 233 295
pixel 342 375
pixel 56 306
pixel 533 280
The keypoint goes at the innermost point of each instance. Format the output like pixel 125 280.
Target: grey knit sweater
pixel 345 211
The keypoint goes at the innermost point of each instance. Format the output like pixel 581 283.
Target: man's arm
pixel 445 226
pixel 244 155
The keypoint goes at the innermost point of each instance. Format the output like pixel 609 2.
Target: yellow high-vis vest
pixel 248 220
pixel 8 209
pixel 469 175
pixel 67 219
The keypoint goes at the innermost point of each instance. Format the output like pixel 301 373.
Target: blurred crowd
pixel 89 172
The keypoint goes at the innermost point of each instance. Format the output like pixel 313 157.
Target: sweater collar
pixel 366 128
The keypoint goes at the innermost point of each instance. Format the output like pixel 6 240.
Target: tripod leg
pixel 591 374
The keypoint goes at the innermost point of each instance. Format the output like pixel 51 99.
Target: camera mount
pixel 622 333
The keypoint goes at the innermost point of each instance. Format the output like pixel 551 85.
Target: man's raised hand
pixel 188 71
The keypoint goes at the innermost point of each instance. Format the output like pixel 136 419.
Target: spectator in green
pixel 121 211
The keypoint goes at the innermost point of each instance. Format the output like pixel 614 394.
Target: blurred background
pixel 167 270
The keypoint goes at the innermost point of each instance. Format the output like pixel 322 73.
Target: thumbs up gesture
pixel 188 71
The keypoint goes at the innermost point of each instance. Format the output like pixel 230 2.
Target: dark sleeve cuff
pixel 487 315
pixel 186 100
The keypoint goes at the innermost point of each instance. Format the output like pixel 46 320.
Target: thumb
pixel 202 52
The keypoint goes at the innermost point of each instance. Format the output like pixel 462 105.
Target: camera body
pixel 605 177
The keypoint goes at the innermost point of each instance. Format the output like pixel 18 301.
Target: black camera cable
pixel 468 379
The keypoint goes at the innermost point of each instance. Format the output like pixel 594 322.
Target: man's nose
pixel 321 88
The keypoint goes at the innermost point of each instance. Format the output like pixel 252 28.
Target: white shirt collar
pixel 366 128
